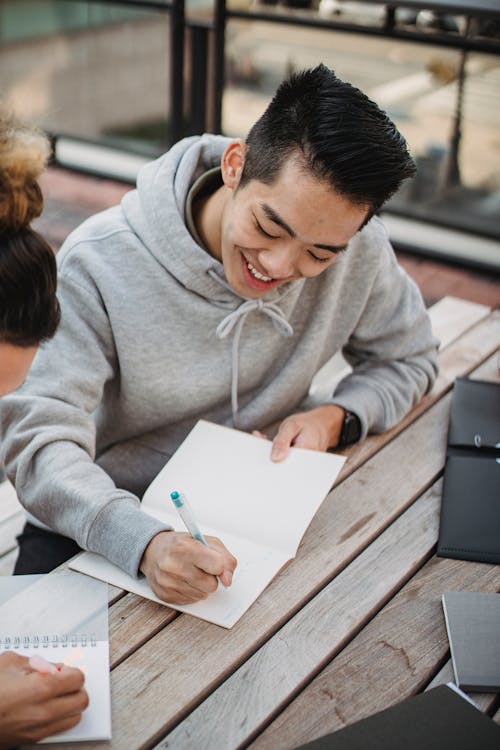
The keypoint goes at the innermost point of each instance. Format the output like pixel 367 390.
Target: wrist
pixel 333 417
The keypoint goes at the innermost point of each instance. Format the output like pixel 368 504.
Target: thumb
pixel 288 431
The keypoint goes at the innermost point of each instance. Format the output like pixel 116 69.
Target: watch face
pixel 351 429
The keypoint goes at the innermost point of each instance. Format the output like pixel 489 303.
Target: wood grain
pixel 392 658
pixel 134 620
pixel 451 317
pixel 278 670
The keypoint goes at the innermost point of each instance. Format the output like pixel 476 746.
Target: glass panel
pixel 456 146
pixel 95 71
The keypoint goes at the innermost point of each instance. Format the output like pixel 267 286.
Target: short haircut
pixel 342 136
pixel 29 309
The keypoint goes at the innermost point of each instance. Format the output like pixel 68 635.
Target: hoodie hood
pixel 156 213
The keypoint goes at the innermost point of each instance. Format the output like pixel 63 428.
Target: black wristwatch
pixel 351 429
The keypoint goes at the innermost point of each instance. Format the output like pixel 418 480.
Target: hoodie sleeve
pixel 49 436
pixel 392 350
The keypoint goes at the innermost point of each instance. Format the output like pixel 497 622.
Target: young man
pixel 218 289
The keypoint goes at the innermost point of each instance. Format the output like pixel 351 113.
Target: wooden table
pixel 353 625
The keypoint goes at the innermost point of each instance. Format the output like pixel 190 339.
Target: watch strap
pixel 351 429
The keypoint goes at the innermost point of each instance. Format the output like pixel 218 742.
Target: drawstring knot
pixel 236 320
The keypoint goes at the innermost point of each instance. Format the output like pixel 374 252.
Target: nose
pixel 279 262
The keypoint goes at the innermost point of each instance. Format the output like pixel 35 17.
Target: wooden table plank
pixel 345 524
pixel 395 655
pixel 271 677
pixel 459 359
pixel 179 737
pixel 337 534
pixel 451 317
pixel 134 621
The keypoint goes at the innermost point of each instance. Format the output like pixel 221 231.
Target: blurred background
pixel 116 83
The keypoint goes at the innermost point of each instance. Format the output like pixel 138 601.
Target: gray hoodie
pixel 152 338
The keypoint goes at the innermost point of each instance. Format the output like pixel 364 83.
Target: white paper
pixel 63 617
pixel 259 509
pixel 95 723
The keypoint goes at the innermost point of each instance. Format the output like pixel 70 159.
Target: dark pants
pixel 41 551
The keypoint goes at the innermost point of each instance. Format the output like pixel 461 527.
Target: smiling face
pixel 272 234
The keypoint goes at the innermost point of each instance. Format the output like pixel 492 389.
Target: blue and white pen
pixel 183 508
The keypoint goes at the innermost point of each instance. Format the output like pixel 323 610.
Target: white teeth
pixel 256 273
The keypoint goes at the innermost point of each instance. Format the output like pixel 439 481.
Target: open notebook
pixel 259 509
pixel 63 617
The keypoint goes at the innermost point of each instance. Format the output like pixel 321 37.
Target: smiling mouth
pixel 257 275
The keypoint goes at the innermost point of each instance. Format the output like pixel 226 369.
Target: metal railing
pixel 200 107
pixel 198 59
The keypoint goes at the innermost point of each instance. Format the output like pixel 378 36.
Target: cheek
pixel 312 268
pixel 240 231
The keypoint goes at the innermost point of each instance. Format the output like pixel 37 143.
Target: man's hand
pixel 35 705
pixel 318 429
pixel 182 570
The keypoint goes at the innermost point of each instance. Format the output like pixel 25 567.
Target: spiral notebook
pixel 63 616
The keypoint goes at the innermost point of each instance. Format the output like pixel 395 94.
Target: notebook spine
pixel 71 640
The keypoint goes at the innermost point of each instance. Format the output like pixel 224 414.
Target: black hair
pixel 338 133
pixel 29 310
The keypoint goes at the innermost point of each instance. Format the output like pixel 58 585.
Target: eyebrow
pixel 274 217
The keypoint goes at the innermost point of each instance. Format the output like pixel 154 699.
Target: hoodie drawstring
pixel 236 319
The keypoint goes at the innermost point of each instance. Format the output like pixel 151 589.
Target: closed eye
pixel 262 231
pixel 317 258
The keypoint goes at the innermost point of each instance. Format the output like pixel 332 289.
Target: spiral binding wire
pixel 11 643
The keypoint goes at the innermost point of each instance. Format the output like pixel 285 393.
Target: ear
pixel 232 162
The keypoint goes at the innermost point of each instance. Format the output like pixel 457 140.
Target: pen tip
pixel 174 495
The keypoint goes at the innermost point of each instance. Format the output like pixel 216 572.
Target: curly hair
pixel 29 310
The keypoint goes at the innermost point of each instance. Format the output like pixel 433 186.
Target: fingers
pixel 229 562
pixel 66 680
pixel 13 660
pixel 181 570
pixel 259 434
pixel 46 717
pixel 287 434
pixel 317 429
pixel 35 704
